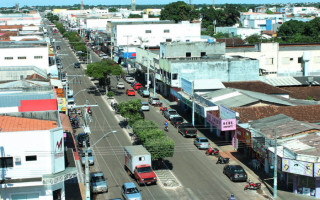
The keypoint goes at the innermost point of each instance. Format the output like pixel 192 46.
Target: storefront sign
pixel 186 86
pixel 223 125
pixel 175 93
pixel 244 136
pixel 61 104
pixel 226 113
pixel 316 170
pixel 297 167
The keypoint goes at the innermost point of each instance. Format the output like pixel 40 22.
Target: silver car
pixel 145 106
pixel 120 85
pixel 90 157
pixel 201 143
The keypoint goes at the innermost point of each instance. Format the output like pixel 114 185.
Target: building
pixel 282 60
pixel 240 32
pixel 260 21
pixel 35 170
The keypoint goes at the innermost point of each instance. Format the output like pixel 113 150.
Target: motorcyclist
pixel 231 197
pixel 166 125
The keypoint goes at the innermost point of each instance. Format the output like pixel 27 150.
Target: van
pixel 71 102
pixel 70 93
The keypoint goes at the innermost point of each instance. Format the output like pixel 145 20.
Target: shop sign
pixel 258 147
pixel 297 167
pixel 223 125
pixel 186 86
pixel 316 170
pixel 211 119
pixel 61 104
pixel 175 93
pixel 244 136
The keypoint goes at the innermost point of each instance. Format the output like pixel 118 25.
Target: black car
pixel 235 173
pixel 58 47
pixel 176 121
pixel 81 138
pixel 76 65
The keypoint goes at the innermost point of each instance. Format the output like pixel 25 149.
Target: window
pixel 188 54
pixel 203 54
pixel 8 58
pixel 141 158
pixel 269 61
pixel 169 40
pixel 31 158
pixel 6 162
pixel 174 76
pixel 166 31
pixel 300 60
pixel 37 57
pixel 291 59
pixel 22 57
pixel 148 31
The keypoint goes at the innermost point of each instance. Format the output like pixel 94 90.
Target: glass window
pixel 166 31
pixel 22 57
pixel 174 76
pixel 8 58
pixel 188 54
pixel 148 31
pixel 6 162
pixel 37 57
pixel 31 158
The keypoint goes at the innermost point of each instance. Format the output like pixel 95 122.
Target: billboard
pixel 297 167
pixel 186 86
pixel 61 104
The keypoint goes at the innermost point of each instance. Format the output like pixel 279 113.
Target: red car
pixel 137 86
pixel 131 92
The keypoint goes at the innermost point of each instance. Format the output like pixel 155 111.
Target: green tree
pixel 179 11
pixel 134 16
pixel 112 10
pixel 150 134
pixel 160 148
pixel 142 125
pixel 312 28
pixel 269 12
pixel 291 28
pixel 130 110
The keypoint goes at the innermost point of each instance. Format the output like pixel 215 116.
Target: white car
pixel 145 106
pixel 130 79
pixel 120 85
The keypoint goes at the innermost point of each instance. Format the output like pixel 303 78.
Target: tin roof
pixel 13 98
pixel 13 124
pixel 282 81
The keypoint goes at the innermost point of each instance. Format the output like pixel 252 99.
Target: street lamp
pixel 105 135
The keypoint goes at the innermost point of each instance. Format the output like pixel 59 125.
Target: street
pixel 200 176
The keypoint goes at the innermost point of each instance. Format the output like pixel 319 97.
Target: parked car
pixel 176 121
pixel 125 77
pixel 137 86
pixel 59 66
pixel 102 54
pixel 187 130
pixel 131 92
pixel 76 65
pixel 153 100
pixel 145 106
pixel 144 92
pixel 130 191
pixel 82 137
pixel 58 47
pixel 133 83
pixel 120 85
pixel 170 113
pixel 90 157
pixel 201 143
pixel 130 80
pixel 98 183
pixel 235 173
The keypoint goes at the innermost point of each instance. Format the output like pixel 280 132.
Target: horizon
pixel 32 3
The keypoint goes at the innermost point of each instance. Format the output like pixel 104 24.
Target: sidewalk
pixel 227 150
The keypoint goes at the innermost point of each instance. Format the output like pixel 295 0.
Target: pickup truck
pixel 138 164
pixel 187 130
pixel 170 113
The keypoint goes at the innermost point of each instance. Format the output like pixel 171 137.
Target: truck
pixel 187 130
pixel 138 165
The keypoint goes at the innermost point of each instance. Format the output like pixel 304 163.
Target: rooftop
pixel 22 44
pixel 12 124
pixel 255 86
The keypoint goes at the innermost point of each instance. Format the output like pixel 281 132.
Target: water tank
pixel 211 40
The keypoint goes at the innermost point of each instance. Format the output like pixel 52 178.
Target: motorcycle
pixel 162 109
pixel 222 160
pixel 114 106
pixel 212 151
pixel 89 111
pixel 166 128
pixel 252 186
pixel 158 104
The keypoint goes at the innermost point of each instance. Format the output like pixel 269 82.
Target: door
pixel 57 194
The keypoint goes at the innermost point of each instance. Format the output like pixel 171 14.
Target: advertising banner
pixel 61 104
pixel 186 86
pixel 316 170
pixel 223 125
pixel 244 136
pixel 297 167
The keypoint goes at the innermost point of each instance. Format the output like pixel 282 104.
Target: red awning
pixel 38 105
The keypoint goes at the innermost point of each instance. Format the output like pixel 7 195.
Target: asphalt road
pixel 200 177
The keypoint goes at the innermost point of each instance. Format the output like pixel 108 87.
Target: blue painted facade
pixel 269 25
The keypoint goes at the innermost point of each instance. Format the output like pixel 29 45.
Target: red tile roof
pixel 308 113
pixel 303 92
pixel 12 124
pixel 256 86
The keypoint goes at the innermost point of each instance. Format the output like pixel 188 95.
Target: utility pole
pixel 148 72
pixel 127 51
pixel 275 168
pixel 193 103
pixel 154 82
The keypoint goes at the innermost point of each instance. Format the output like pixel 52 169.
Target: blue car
pixel 130 191
pixel 201 143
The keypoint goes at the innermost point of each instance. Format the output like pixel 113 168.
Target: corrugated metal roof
pixel 208 84
pixel 24 84
pixel 282 81
pixel 237 101
pixel 265 97
pixel 13 99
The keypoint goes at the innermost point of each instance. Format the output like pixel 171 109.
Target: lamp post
pixel 105 135
pixel 275 168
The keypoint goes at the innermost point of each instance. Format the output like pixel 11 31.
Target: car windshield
pixel 173 112
pixel 156 99
pixel 98 179
pixel 203 140
pixel 89 154
pixel 120 83
pixel 144 103
pixel 178 119
pixel 144 169
pixel 132 190
pixel 238 170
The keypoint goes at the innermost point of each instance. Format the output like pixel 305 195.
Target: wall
pixel 179 49
pixel 242 32
pixel 29 53
pixel 243 70
pixel 138 36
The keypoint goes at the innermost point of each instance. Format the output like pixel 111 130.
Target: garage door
pixel 30 196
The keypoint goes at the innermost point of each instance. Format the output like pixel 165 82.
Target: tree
pixel 130 110
pixel 134 16
pixel 291 28
pixel 179 11
pixel 112 10
pixel 160 148
pixel 142 125
pixel 150 134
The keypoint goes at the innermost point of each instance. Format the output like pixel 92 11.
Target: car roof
pixel 202 138
pixel 120 83
pixel 236 166
pixel 97 174
pixel 129 185
pixel 171 110
pixel 143 102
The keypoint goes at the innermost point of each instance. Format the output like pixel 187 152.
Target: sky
pixel 10 3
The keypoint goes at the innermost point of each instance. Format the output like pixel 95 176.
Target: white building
pixel 287 60
pixel 260 20
pixel 25 53
pixel 152 33
pixel 237 31
pixel 21 19
pixel 32 157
